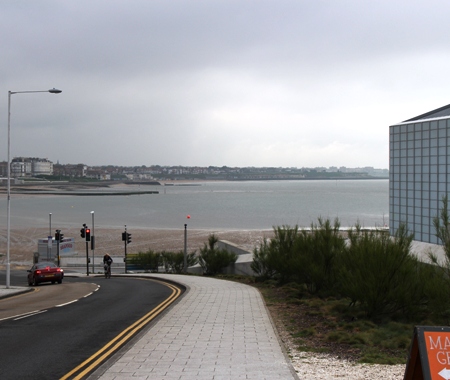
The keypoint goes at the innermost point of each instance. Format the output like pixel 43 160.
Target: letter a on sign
pixel 429 358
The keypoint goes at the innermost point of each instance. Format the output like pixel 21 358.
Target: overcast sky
pixel 289 83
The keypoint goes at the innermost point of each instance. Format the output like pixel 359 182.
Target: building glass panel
pixel 419 172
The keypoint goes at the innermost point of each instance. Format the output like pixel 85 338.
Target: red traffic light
pixel 88 234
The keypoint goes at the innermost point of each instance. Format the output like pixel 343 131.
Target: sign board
pixel 66 247
pixel 429 358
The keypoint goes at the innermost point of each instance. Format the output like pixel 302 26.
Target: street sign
pixel 429 358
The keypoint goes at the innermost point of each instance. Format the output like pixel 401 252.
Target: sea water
pixel 212 205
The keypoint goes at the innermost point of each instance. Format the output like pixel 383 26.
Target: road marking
pixel 67 303
pixel 20 315
pixel 115 344
pixel 30 314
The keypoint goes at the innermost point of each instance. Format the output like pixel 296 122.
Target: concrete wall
pixel 79 261
pixel 230 247
pixel 241 266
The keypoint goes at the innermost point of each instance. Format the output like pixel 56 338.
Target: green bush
pixel 148 261
pixel 282 252
pixel 379 274
pixel 261 264
pixel 174 261
pixel 274 258
pixel 213 260
pixel 436 286
pixel 307 256
pixel 314 263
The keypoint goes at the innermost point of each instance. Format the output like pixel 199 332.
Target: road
pixel 61 334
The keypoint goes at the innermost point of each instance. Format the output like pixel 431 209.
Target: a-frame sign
pixel 429 358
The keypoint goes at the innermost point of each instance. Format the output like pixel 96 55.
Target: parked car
pixel 45 272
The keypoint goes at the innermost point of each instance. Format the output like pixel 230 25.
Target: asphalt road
pixel 53 340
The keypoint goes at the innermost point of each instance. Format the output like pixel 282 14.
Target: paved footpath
pixel 218 330
pixel 12 291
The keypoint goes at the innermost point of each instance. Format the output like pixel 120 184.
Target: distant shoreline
pixel 83 188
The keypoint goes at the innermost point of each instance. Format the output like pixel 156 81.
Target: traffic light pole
pixel 126 238
pixel 126 243
pixel 185 250
pixel 85 233
pixel 57 252
pixel 93 243
pixel 87 258
pixel 58 239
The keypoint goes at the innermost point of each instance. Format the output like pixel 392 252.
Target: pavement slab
pixel 218 330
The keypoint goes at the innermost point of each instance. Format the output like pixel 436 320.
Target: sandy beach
pixel 24 241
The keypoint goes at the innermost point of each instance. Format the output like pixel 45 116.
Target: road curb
pixel 13 291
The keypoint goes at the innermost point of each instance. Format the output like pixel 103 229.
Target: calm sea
pixel 213 205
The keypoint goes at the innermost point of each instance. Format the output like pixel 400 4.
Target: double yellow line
pixel 111 347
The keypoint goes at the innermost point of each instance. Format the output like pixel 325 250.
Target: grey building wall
pixel 419 162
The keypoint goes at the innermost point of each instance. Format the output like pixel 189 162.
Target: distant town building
pixel 419 159
pixel 70 170
pixel 30 166
pixel 22 167
pixel 3 169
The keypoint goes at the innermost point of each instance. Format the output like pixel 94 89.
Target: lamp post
pixel 185 246
pixel 8 218
pixel 49 247
pixel 93 243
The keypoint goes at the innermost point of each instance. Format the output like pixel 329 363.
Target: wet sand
pixel 24 241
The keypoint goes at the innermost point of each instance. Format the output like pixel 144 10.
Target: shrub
pixel 379 274
pixel 316 251
pixel 174 261
pixel 149 261
pixel 214 260
pixel 439 283
pixel 275 258
pixel 307 257
pixel 261 264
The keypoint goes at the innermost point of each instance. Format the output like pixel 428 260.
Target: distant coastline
pixel 116 188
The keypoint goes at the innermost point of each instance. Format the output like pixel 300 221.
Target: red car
pixel 45 272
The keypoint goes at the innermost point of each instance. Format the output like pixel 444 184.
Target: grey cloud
pixel 219 82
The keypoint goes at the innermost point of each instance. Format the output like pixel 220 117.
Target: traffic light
pixel 83 231
pixel 88 234
pixel 128 238
pixel 59 236
pixel 124 236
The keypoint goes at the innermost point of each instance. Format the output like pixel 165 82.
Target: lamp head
pixel 54 91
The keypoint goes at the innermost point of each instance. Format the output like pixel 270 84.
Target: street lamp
pixel 93 243
pixel 8 219
pixel 49 245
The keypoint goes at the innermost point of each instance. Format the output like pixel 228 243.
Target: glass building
pixel 419 165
